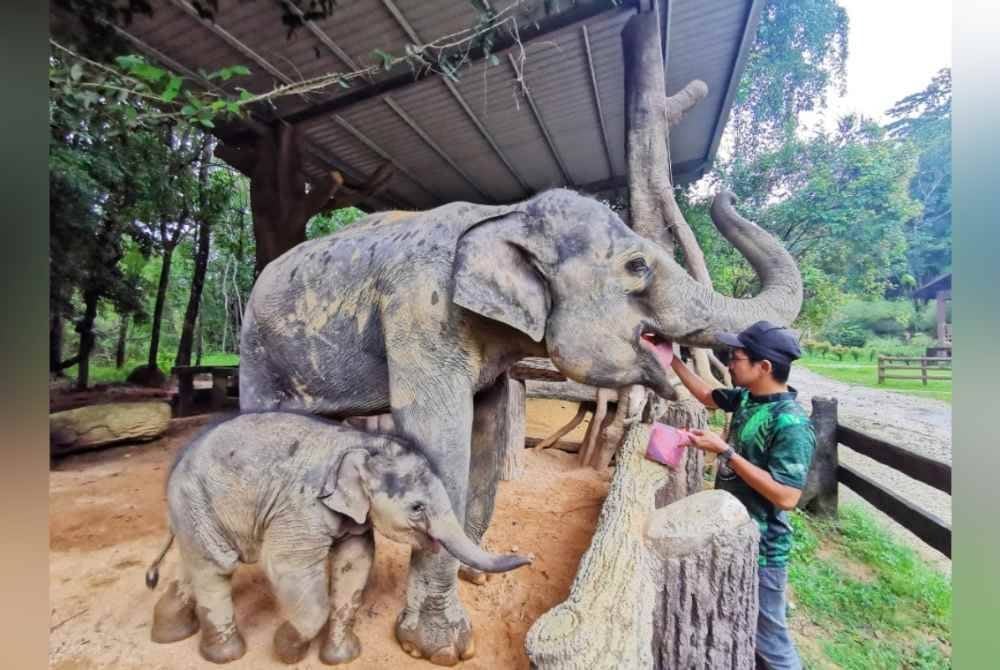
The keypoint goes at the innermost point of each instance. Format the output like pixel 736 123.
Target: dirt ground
pixel 107 522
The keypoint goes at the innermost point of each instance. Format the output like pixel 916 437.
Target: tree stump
pixel 99 425
pixel 703 562
pixel 606 622
pixel 690 476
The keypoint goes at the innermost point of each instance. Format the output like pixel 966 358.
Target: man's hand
pixel 706 440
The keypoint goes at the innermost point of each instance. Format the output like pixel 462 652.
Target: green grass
pixel 865 373
pixel 864 601
pixel 102 373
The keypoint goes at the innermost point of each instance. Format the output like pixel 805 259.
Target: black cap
pixel 766 340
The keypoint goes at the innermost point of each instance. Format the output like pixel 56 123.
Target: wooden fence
pixel 925 525
pixel 924 365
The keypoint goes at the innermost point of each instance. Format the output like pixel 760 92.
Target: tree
pixel 210 201
pixel 837 200
pixel 799 52
pixel 924 120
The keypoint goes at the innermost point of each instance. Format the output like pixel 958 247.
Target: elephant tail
pixel 153 574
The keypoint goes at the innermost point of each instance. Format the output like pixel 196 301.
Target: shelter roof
pixel 486 137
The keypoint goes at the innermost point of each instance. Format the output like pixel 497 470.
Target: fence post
pixel 881 368
pixel 923 370
pixel 820 494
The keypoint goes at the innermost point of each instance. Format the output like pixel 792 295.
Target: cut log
pixel 650 576
pixel 690 475
pixel 607 620
pixel 567 390
pixel 703 561
pixel 100 425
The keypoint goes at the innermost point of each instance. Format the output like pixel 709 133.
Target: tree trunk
pixel 109 423
pixel 200 342
pixel 689 477
pixel 200 265
pixel 122 335
pixel 653 209
pixel 86 329
pixel 161 298
pixel 606 622
pixel 703 560
pixel 55 343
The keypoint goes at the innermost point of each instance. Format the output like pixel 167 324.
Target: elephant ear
pixel 497 275
pixel 343 490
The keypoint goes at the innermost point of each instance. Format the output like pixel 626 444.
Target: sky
pixel 895 47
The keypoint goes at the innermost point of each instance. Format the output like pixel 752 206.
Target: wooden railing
pixel 924 366
pixel 821 491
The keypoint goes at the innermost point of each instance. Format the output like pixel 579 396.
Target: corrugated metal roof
pixel 479 139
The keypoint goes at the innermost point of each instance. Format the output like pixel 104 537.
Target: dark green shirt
pixel 774 433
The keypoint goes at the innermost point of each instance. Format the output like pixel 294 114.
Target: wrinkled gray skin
pixel 280 488
pixel 416 312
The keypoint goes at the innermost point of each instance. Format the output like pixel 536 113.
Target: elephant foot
pixel 289 646
pixel 174 617
pixel 344 651
pixel 473 576
pixel 219 646
pixel 442 637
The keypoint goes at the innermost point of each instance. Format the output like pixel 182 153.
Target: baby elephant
pixel 282 488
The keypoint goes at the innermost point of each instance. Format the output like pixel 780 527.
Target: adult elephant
pixel 416 312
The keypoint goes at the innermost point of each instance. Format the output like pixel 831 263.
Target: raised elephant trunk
pixel 449 533
pixel 694 314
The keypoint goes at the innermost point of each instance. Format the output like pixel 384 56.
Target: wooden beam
pixel 318 33
pixel 408 120
pixel 232 41
pixel 921 523
pixel 921 468
pixel 317 153
pixel 412 34
pixel 597 99
pixel 368 142
pixel 314 150
pixel 581 11
pixel 536 368
pixel 541 122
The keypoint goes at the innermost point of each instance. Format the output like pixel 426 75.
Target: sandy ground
pixel 106 523
pixel 921 425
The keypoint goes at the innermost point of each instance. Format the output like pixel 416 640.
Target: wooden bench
pixel 221 374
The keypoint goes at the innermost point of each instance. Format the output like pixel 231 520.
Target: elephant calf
pixel 292 490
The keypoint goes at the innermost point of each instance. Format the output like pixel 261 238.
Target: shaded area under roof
pixel 507 128
pixel 930 290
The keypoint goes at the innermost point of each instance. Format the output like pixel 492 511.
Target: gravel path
pixel 921 425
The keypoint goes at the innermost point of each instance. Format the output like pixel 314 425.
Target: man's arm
pixel 698 387
pixel 760 480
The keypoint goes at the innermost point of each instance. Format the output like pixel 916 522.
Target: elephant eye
pixel 416 508
pixel 637 265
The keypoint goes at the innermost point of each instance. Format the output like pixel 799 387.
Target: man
pixel 766 463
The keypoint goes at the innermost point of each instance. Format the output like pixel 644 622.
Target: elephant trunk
pixel 693 313
pixel 446 530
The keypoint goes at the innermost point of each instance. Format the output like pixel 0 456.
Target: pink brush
pixel 666 444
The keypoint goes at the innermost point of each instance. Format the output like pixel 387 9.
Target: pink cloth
pixel 666 444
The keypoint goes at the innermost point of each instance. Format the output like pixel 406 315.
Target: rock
pixel 110 423
pixel 145 375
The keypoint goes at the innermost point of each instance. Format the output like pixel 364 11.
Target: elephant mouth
pixel 660 346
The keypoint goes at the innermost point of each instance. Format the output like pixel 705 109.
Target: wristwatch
pixel 724 456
